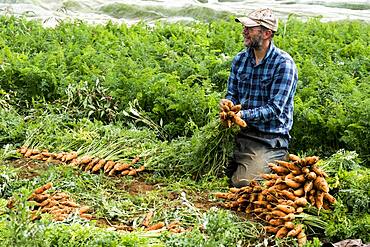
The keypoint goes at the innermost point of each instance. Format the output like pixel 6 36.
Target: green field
pixel 151 91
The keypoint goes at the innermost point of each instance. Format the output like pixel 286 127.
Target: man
pixel 263 80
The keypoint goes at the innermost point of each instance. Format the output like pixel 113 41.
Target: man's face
pixel 252 37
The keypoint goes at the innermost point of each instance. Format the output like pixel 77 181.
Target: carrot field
pixel 110 135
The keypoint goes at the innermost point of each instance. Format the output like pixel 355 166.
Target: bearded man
pixel 263 80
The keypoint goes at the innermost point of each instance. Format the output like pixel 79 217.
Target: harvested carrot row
pixel 86 163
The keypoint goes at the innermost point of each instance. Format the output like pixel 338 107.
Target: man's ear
pixel 267 34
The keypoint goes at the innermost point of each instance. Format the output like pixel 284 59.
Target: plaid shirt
pixel 265 91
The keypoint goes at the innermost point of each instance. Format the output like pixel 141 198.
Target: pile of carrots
pixel 282 195
pixel 58 204
pixel 86 163
pixel 228 114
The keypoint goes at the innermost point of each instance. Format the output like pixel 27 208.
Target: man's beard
pixel 256 42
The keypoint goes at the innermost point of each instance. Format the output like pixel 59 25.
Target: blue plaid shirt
pixel 265 91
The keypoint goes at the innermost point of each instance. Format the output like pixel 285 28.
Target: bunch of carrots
pixel 282 196
pixel 58 204
pixel 228 114
pixel 86 163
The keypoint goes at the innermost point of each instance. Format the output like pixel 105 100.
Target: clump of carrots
pixel 282 195
pixel 228 114
pixel 174 226
pixel 58 204
pixel 86 163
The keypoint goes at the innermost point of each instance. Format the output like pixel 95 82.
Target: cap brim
pixel 247 22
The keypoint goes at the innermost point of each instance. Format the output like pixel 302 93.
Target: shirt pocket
pixel 266 82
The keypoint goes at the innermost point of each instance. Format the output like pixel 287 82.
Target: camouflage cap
pixel 264 17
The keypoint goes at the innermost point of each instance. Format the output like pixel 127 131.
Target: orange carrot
pixel 236 108
pixel 99 165
pixel 311 176
pixel 294 158
pixel 331 199
pixel 293 233
pixel 308 186
pixel 109 165
pixel 271 229
pixel 311 160
pixel 319 171
pixel 282 232
pixel 157 226
pixel 321 184
pixel 43 188
pixel 84 210
pixel 301 202
pixel 299 192
pixel 286 208
pixel 240 122
pixel 121 167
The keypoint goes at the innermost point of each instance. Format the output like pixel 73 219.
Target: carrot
pixel 320 199
pixel 44 203
pixel 28 153
pixel 132 173
pixel 91 164
pixel 312 200
pixel 288 165
pixel 308 186
pixel 125 172
pixel 269 176
pixel 223 115
pixel 229 123
pixel 282 232
pixel 99 165
pixel 140 169
pixel 299 192
pixel 86 160
pixel 311 176
pixel 70 156
pixel 276 222
pixel 70 204
pixel 321 184
pixel 301 202
pixel 311 160
pixel 109 165
pixel 236 108
pixel 297 229
pixel 147 218
pixel 331 199
pixel 305 170
pixel 240 121
pixel 271 229
pixel 278 213
pixel 302 238
pixel 225 108
pixel 157 226
pixel 221 195
pixel 22 150
pixel 235 190
pixel 43 188
pixel 289 225
pixel 299 179
pixel 292 184
pixel 121 167
pixel 294 158
pixel 40 197
pixel 286 208
pixel 319 171
pixel 288 194
pixel 86 216
pixel 84 210
pixel 299 210
pixel 278 169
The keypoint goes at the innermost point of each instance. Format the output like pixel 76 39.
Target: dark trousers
pixel 253 150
